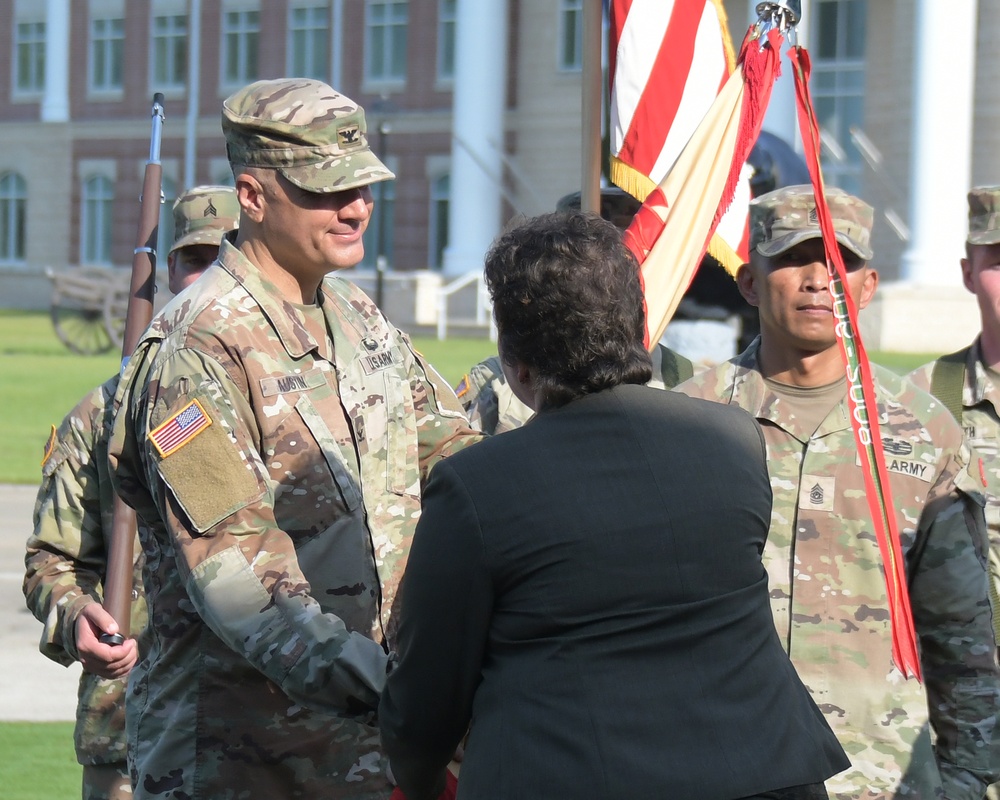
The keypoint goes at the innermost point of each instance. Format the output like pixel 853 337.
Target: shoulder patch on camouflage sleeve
pixel 207 473
pixel 50 446
pixel 463 387
pixel 180 429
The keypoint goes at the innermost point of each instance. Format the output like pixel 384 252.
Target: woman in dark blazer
pixel 586 592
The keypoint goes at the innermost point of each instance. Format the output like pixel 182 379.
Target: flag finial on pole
pixel 780 14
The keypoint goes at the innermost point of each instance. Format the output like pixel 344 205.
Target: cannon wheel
pixel 80 329
pixel 114 313
pixel 77 310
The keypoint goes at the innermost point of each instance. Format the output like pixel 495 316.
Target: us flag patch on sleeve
pixel 180 429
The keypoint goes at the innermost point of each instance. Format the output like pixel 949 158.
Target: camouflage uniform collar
pixel 979 386
pixel 751 393
pixel 284 317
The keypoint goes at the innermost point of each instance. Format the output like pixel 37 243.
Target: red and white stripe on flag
pixel 668 60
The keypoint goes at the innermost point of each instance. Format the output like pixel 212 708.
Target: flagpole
pixel 590 173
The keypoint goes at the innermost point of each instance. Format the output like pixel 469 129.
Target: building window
pixel 165 227
pixel 240 33
pixel 440 197
pixel 446 39
pixel 309 42
pixel 570 34
pixel 95 220
pixel 29 58
pixel 13 206
pixel 838 86
pixel 169 51
pixel 107 47
pixel 384 193
pixel 385 40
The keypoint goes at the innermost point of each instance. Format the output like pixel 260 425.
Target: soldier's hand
pixel 107 661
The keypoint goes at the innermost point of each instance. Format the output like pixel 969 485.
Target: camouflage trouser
pixel 106 782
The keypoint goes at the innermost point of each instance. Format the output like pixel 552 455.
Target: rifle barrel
pixel 118 581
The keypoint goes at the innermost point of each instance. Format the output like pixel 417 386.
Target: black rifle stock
pixel 118 580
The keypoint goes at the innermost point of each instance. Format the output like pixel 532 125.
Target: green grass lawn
pixel 40 381
pixel 37 761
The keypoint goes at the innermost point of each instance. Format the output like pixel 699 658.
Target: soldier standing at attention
pixel 824 567
pixel 967 382
pixel 67 554
pixel 273 432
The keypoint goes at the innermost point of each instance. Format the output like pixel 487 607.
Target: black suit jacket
pixel 587 592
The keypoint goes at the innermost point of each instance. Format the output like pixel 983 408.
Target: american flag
pixel 180 429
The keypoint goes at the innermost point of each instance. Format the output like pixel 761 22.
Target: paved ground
pixel 33 687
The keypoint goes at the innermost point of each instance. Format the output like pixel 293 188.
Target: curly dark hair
pixel 568 302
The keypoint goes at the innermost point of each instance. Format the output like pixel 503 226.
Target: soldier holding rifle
pixel 67 554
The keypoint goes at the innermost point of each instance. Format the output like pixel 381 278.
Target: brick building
pixel 478 125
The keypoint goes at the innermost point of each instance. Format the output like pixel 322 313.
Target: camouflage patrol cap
pixel 309 132
pixel 203 215
pixel 781 219
pixel 984 215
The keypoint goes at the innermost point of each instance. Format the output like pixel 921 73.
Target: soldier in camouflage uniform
pixel 67 553
pixel 823 561
pixel 968 382
pixel 273 433
pixel 491 405
pixel 493 408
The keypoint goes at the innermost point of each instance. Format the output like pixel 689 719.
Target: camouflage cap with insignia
pixel 309 132
pixel 984 215
pixel 781 219
pixel 203 215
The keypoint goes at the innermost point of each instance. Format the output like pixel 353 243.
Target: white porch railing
pixel 484 311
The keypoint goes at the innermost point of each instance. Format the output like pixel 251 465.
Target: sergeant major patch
pixel 180 429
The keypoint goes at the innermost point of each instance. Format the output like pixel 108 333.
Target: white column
pixel 55 103
pixel 941 150
pixel 194 95
pixel 476 168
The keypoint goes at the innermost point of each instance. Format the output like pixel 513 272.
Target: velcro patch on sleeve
pixel 180 429
pixel 463 387
pixel 209 476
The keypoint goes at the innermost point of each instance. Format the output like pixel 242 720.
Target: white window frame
pixel 570 35
pixel 439 207
pixel 308 41
pixel 447 40
pixel 239 27
pixel 838 79
pixel 29 38
pixel 167 47
pixel 107 35
pixel 386 25
pixel 97 197
pixel 13 218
